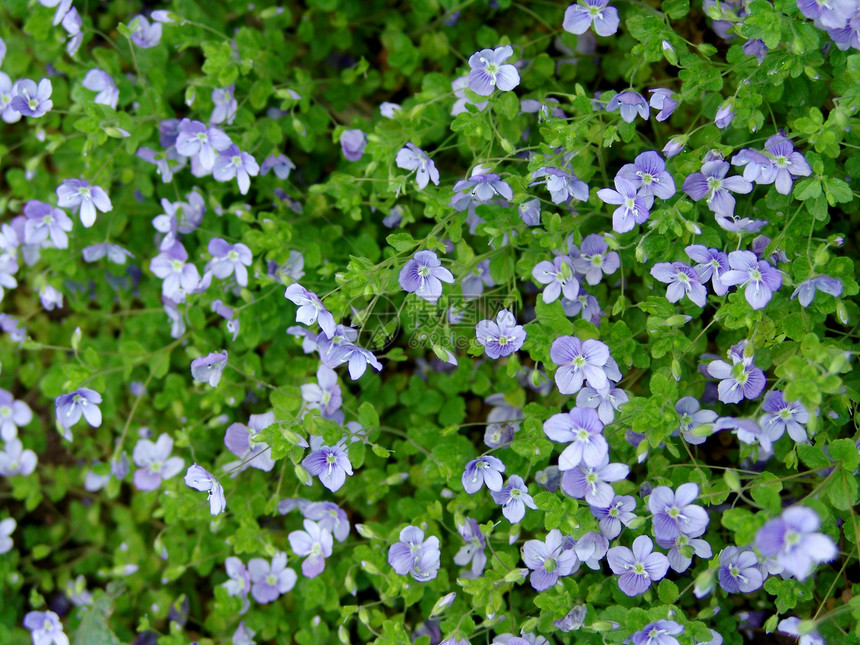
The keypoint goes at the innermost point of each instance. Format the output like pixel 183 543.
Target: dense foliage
pixel 429 321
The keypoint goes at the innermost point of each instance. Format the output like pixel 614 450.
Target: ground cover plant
pixel 429 322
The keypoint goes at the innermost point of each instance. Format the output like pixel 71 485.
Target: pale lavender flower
pixel 638 567
pixel 502 337
pixel 13 415
pixel 805 291
pixel 331 464
pixel 590 548
pixel 712 264
pixel 311 309
pixel 563 186
pixel 792 539
pixel 388 109
pixel 593 483
pixel 230 259
pixel 324 395
pixel 740 380
pixel 559 276
pixel 225 105
pixel 242 441
pixel 179 276
pixel 585 305
pixel 675 514
pixel 15 460
pixel 582 430
pixel 144 34
pixel 83 401
pixel 341 349
pixel 458 86
pixel 757 166
pixel 480 187
pixel 682 280
pixel 7 527
pixel 787 162
pixel 691 417
pixel 748 432
pixel 579 361
pixel 757 48
pixel 791 626
pixel 529 212
pixel 513 499
pixel 270 580
pixel 610 519
pixel 548 561
pixel 713 184
pixel 739 571
pixel 473 551
pixel 674 146
pixel 45 628
pixel 114 253
pixel 98 80
pixel 72 23
pixel 423 275
pixel 315 544
pixel 606 402
pixel 330 517
pixel 243 635
pixel 661 99
pixel 474 282
pixel 596 259
pixel 725 114
pixel 199 478
pixel 630 103
pixel 78 194
pixel 280 164
pixel 662 632
pixel 352 143
pixel 648 173
pixel 239 581
pixel 411 157
pixel 489 72
pixel 32 101
pixel 483 470
pixel 414 555
pixel 208 369
pixel 8 90
pixel 632 208
pixel 226 313
pixel 232 162
pixel 579 17
pixel 782 416
pixel 574 619
pixel 759 277
pixel 155 463
pixel 194 139
pixel 736 224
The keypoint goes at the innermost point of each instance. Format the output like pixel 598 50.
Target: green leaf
pixel 842 490
pixel 94 629
pixel 813 456
pixel 845 450
pixel 667 591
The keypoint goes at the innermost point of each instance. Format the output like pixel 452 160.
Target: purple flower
pixel 513 499
pixel 759 277
pixel 329 517
pixel 415 555
pixel 115 254
pixel 674 146
pixel 584 304
pixel 155 463
pixel 595 259
pixel 208 369
pixel 579 361
pixel 179 276
pixel 72 23
pixel 227 314
pixel 83 401
pixel 228 259
pixel 579 17
pixel 791 626
pixel 280 164
pixel 243 635
pixel 239 581
pixel 325 395
pixel 662 632
pixel 473 283
pixel 562 186
pixel 331 464
pixel 8 90
pixel 632 208
pixel 661 99
pixel 78 194
pixel 529 212
pixel 682 280
pixel 473 551
pixel 411 157
pixel 144 34
pixel 45 628
pixel 787 163
pixel 757 48
pixel 14 460
pixel 225 103
pixel 682 549
pixel 739 571
pixel 200 142
pixel 311 309
pixel 98 80
pixel 805 291
pixel 559 276
pixel 593 483
pixel 32 101
pixel 590 548
pixel 270 580
pixel 648 173
pixel 340 349
pixel 712 264
pixel 458 86
pixel 740 380
pixel 242 441
pixel 637 568
pixel 488 71
pixel 582 430
pixel 794 541
pixel 352 143
pixel 827 15
pixel 232 162
pixel 713 184
pixel 574 619
pixel 388 109
pixel 782 416
pixel 630 103
pixel 315 543
pixel 549 560
pixel 502 337
pixel 199 478
pixel 480 187
pixel 606 402
pixel 691 417
pixel 748 432
pixel 13 415
pixel 483 470
pixel 610 519
pixel 7 527
pixel 423 275
pixel 757 166
pixel 725 114
pixel 674 514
